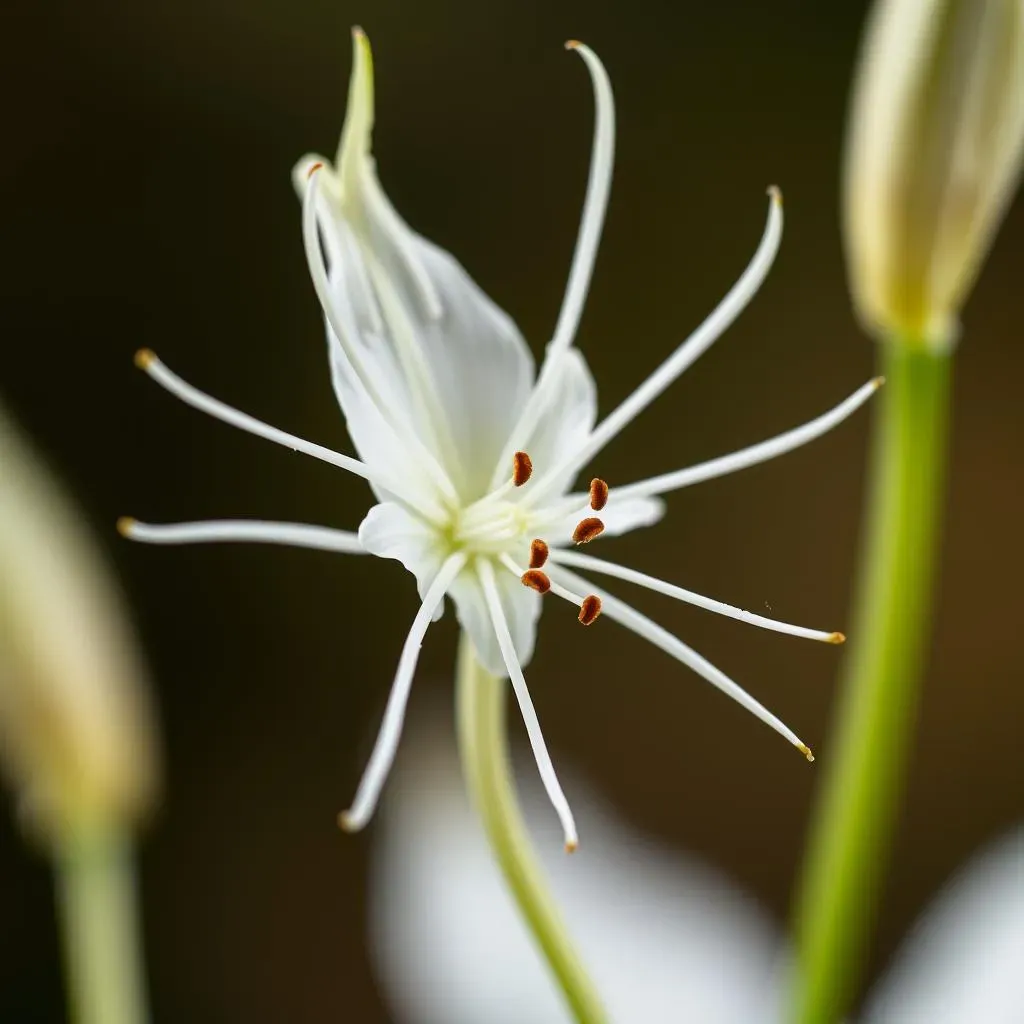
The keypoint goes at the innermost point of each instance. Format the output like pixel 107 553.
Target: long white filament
pixel 515 671
pixel 151 365
pixel 762 452
pixel 258 531
pixel 588 239
pixel 383 756
pixel 622 572
pixel 673 646
pixel 684 356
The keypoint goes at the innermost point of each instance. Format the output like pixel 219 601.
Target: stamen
pixel 682 358
pixel 590 609
pixel 147 361
pixel 673 646
pixel 587 529
pixel 536 579
pixel 298 535
pixel 376 773
pixel 598 494
pixel 313 169
pixel 538 553
pixel 529 713
pixel 522 468
pixel 806 751
pixel 622 572
pixel 762 452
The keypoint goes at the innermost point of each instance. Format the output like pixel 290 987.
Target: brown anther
pixel 538 553
pixel 536 579
pixel 313 169
pixel 522 468
pixel 587 529
pixel 590 609
pixel 598 494
pixel 144 358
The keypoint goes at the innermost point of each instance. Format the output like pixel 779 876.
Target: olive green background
pixel 146 201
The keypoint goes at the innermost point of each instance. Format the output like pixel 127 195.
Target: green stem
pixel 97 908
pixel 483 745
pixel 853 826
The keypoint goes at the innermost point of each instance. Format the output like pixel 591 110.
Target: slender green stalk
pixel 483 745
pixel 97 907
pixel 852 831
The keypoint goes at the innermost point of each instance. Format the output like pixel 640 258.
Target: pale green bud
pixel 933 157
pixel 76 732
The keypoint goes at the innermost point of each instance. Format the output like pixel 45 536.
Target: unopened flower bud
pixel 933 158
pixel 76 733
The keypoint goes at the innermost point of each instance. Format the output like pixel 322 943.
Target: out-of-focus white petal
pixel 521 606
pixel 665 937
pixel 964 961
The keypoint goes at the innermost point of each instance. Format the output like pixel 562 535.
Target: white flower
pixel 666 936
pixel 443 404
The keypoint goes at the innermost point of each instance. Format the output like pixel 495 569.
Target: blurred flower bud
pixel 76 733
pixel 933 156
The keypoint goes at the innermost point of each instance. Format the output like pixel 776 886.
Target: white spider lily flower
pixel 449 418
pixel 933 157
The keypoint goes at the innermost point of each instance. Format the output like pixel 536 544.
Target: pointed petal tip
pixel 145 358
pixel 836 638
pixel 125 525
pixel 806 751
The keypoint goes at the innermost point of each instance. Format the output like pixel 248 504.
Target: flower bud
pixel 933 157
pixel 76 733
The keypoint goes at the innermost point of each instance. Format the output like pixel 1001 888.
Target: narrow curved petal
pixel 459 362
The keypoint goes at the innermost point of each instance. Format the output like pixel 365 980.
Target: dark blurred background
pixel 147 201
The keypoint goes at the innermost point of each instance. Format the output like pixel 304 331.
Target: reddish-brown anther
pixel 587 529
pixel 538 553
pixel 598 494
pixel 537 580
pixel 522 468
pixel 590 609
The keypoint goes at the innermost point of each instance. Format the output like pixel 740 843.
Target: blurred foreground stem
pixel 98 912
pixel 851 834
pixel 483 745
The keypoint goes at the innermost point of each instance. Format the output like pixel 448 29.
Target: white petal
pixel 389 531
pixel 460 362
pixel 521 605
pixel 666 937
pixel 964 960
pixel 564 422
pixel 619 517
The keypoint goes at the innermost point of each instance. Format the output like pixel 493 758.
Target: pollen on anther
pixel 806 751
pixel 538 553
pixel 590 609
pixel 572 846
pixel 125 525
pixel 522 468
pixel 598 494
pixel 145 358
pixel 587 529
pixel 313 169
pixel 837 638
pixel 536 579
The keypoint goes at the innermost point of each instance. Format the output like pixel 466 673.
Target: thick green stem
pixel 852 830
pixel 98 912
pixel 483 745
